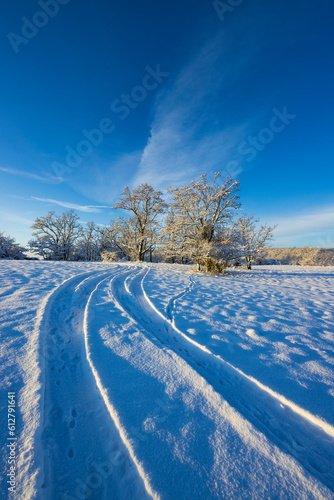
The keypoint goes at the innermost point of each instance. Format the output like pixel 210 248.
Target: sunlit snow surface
pixel 135 381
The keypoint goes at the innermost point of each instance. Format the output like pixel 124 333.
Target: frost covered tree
pixel 43 246
pixel 173 247
pixel 128 238
pixel 55 235
pixel 225 248
pixel 9 249
pixel 120 234
pixel 251 240
pixel 138 234
pixel 202 215
pixel 88 246
pixel 107 242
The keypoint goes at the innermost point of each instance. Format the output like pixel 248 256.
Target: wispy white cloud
pixel 309 221
pixel 317 226
pixel 188 134
pixel 185 137
pixel 103 180
pixel 84 223
pixel 12 217
pixel 70 205
pixel 29 175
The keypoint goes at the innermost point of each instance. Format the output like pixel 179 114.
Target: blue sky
pixel 170 90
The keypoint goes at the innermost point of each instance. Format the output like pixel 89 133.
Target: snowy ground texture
pixel 138 381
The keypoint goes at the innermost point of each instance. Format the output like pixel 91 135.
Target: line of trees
pixel 200 224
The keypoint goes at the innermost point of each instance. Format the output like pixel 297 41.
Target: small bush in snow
pixel 109 256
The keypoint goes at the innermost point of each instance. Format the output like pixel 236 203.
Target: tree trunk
pixel 140 252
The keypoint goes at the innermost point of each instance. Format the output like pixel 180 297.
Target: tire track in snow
pixel 84 456
pixel 297 432
pixel 112 411
pixel 26 479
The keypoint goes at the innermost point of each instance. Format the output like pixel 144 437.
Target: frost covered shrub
pixel 9 249
pixel 211 265
pixel 109 256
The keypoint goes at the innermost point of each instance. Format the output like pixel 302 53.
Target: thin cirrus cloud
pixel 314 224
pixel 184 139
pixel 11 217
pixel 29 175
pixel 105 180
pixel 70 205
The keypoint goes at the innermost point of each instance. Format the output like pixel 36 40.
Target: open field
pixel 135 381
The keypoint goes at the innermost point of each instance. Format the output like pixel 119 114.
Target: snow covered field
pixel 135 381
